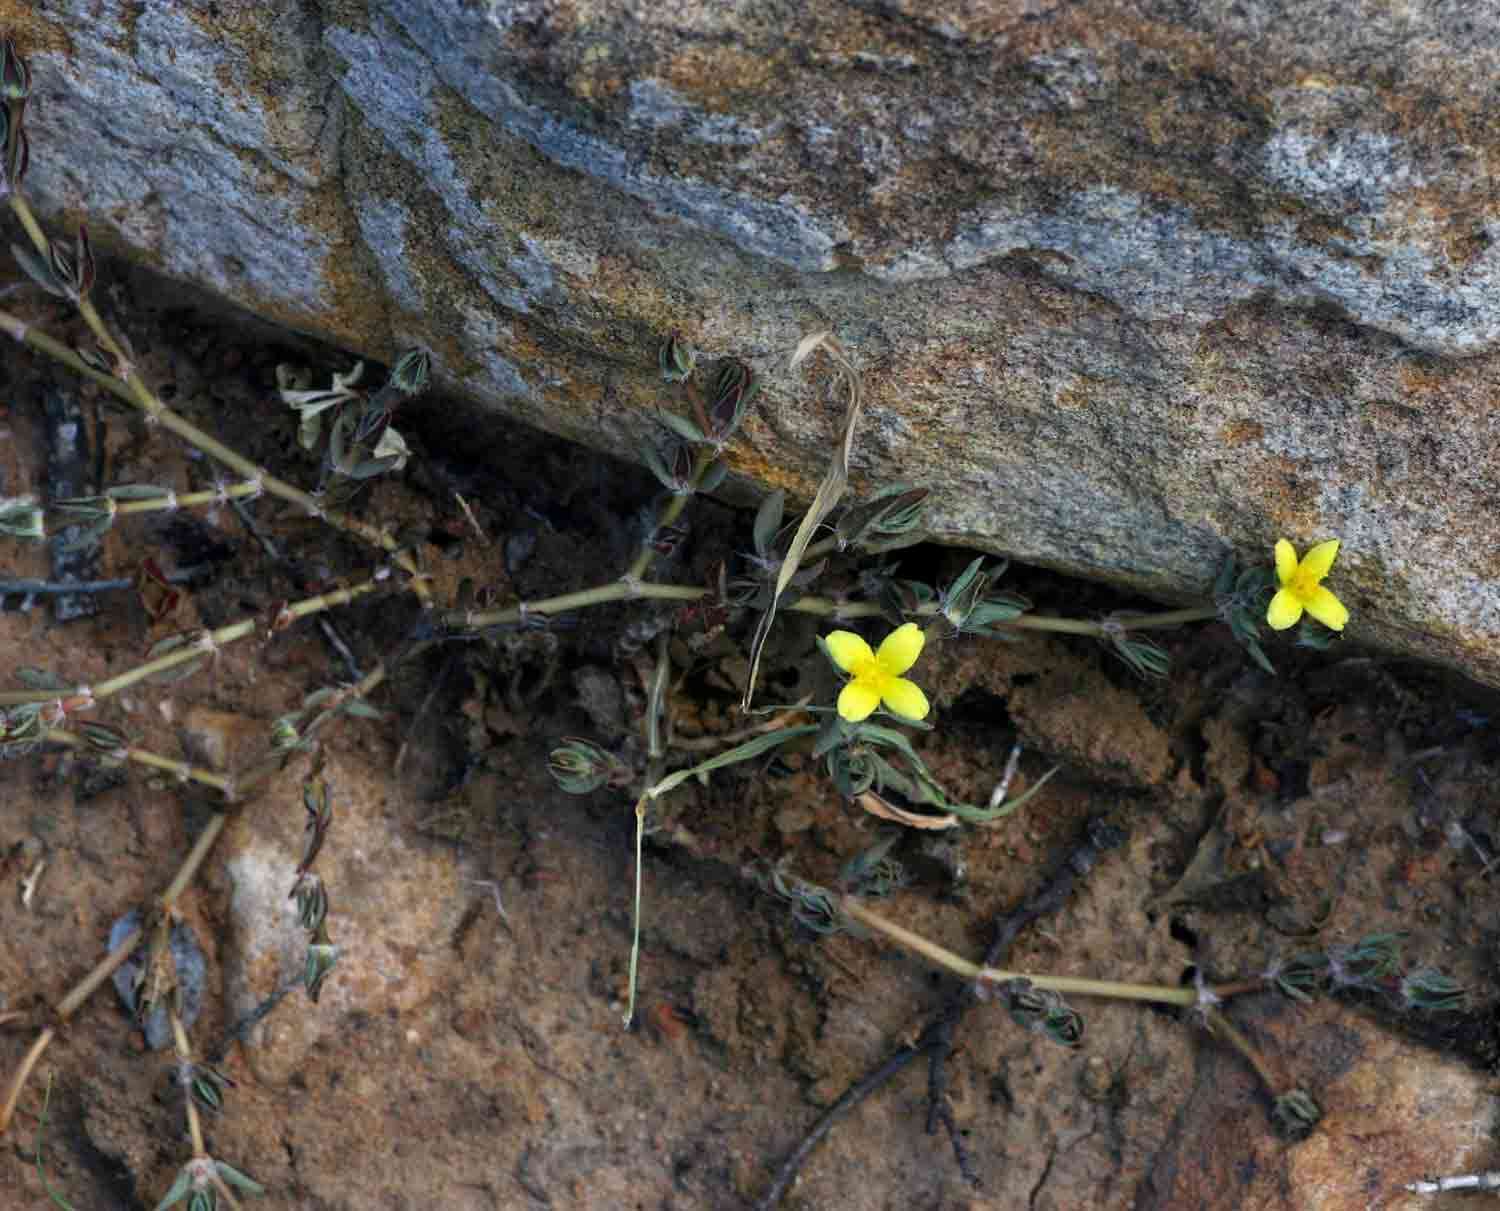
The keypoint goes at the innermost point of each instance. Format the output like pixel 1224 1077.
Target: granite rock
pixel 1134 282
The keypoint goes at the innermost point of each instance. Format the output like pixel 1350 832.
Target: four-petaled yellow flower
pixel 1302 587
pixel 876 676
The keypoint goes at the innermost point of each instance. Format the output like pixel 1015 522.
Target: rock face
pixel 1134 282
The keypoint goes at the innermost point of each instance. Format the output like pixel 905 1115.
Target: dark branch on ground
pixel 1100 835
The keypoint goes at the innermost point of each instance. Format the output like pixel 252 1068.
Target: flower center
pixel 1304 583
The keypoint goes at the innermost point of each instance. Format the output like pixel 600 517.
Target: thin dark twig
pixel 241 1029
pixel 326 626
pixel 1101 834
pixel 939 1109
pixel 850 1098
pixel 450 662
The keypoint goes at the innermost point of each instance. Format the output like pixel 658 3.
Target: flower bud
pixel 321 960
pixel 676 359
pixel 734 389
pixel 580 767
pixel 15 74
pixel 21 517
pixel 412 372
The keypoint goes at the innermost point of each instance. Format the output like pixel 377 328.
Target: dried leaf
pixel 829 491
pixel 877 806
pixel 159 596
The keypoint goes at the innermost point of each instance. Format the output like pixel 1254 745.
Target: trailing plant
pixel 839 561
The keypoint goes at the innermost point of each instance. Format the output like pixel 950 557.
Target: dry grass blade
pixel 829 491
pixel 887 810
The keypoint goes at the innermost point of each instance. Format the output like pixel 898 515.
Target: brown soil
pixel 468 1059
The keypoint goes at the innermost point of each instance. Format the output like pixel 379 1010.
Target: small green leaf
pixel 741 752
pixel 179 1191
pixel 1146 659
pixel 833 732
pixel 1294 1115
pixel 237 1179
pixel 580 766
pixel 676 359
pixel 103 738
pixel 373 467
pixel 412 372
pixel 652 457
pixel 714 476
pixel 1258 654
pixel 311 897
pixel 768 521
pixel 681 426
pixel 309 430
pixel 178 672
pixel 1316 636
pixel 1432 991
pixel 39 270
pixel 21 517
pixel 38 679
pixel 321 960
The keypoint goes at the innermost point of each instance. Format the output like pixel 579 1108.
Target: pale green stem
pixel 140 756
pixel 22 332
pixel 193 861
pixel 187 500
pixel 942 957
pixel 137 393
pixel 826 607
pixel 257 773
pixel 106 967
pixel 615 590
pixel 185 1057
pixel 29 1061
pixel 28 220
pixel 91 983
pixel 1225 1029
pixel 231 786
pixel 635 938
pixel 207 643
pixel 671 511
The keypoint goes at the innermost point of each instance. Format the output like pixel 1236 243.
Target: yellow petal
pixel 1286 562
pixel 1285 610
pixel 849 652
pixel 901 647
pixel 857 700
pixel 1327 608
pixel 1319 560
pixel 905 698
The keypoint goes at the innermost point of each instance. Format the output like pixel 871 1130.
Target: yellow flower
pixel 877 675
pixel 1302 587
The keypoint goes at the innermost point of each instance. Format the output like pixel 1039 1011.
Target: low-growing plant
pixel 839 562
